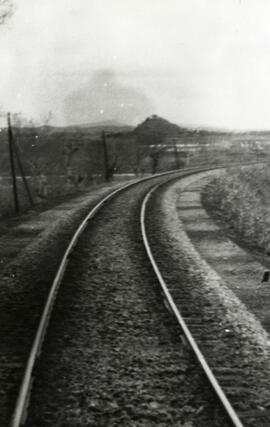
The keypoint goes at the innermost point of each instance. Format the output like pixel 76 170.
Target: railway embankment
pixel 241 198
pixel 237 245
pixel 30 252
pixel 35 230
pixel 195 251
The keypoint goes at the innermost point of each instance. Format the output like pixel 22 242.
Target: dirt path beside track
pixel 241 269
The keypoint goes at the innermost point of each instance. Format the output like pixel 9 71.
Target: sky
pixel 199 63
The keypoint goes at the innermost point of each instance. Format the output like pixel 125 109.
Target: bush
pixel 7 201
pixel 242 197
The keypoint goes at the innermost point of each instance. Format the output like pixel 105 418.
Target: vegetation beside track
pixel 241 198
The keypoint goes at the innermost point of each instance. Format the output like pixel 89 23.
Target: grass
pixel 7 207
pixel 242 198
pixel 58 191
pixel 56 188
pixel 6 201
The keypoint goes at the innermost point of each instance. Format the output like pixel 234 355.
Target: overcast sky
pixel 194 62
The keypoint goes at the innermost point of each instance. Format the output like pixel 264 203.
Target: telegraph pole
pixel 23 174
pixel 106 159
pixel 12 166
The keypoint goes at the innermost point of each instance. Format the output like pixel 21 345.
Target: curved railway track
pixel 220 324
pixel 95 271
pixel 169 301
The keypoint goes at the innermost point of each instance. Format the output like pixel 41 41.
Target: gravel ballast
pixel 112 355
pixel 25 281
pixel 234 340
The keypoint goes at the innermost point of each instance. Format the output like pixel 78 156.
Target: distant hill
pixel 157 125
pixel 103 123
pixel 108 125
pixel 86 128
pixel 157 130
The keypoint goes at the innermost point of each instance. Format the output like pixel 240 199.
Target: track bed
pixel 231 338
pixel 112 354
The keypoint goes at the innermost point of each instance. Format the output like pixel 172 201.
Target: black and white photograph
pixel 134 213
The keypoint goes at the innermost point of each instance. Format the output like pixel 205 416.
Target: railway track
pixel 109 327
pixel 183 324
pixel 236 359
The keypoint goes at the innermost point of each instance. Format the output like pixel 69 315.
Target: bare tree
pixel 155 141
pixel 136 156
pixel 70 149
pixel 110 159
pixel 36 166
pixel 155 154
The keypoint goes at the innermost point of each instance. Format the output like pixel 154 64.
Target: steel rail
pixel 20 410
pixel 233 417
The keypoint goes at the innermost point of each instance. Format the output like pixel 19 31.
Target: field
pixel 241 198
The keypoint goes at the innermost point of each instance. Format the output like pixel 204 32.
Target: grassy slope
pixel 242 198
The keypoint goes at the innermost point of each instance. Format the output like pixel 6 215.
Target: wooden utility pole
pixel 12 166
pixel 106 158
pixel 27 188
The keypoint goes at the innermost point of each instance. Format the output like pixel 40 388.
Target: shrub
pixel 242 197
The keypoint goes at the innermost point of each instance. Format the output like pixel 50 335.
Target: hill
pixel 98 127
pixel 155 125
